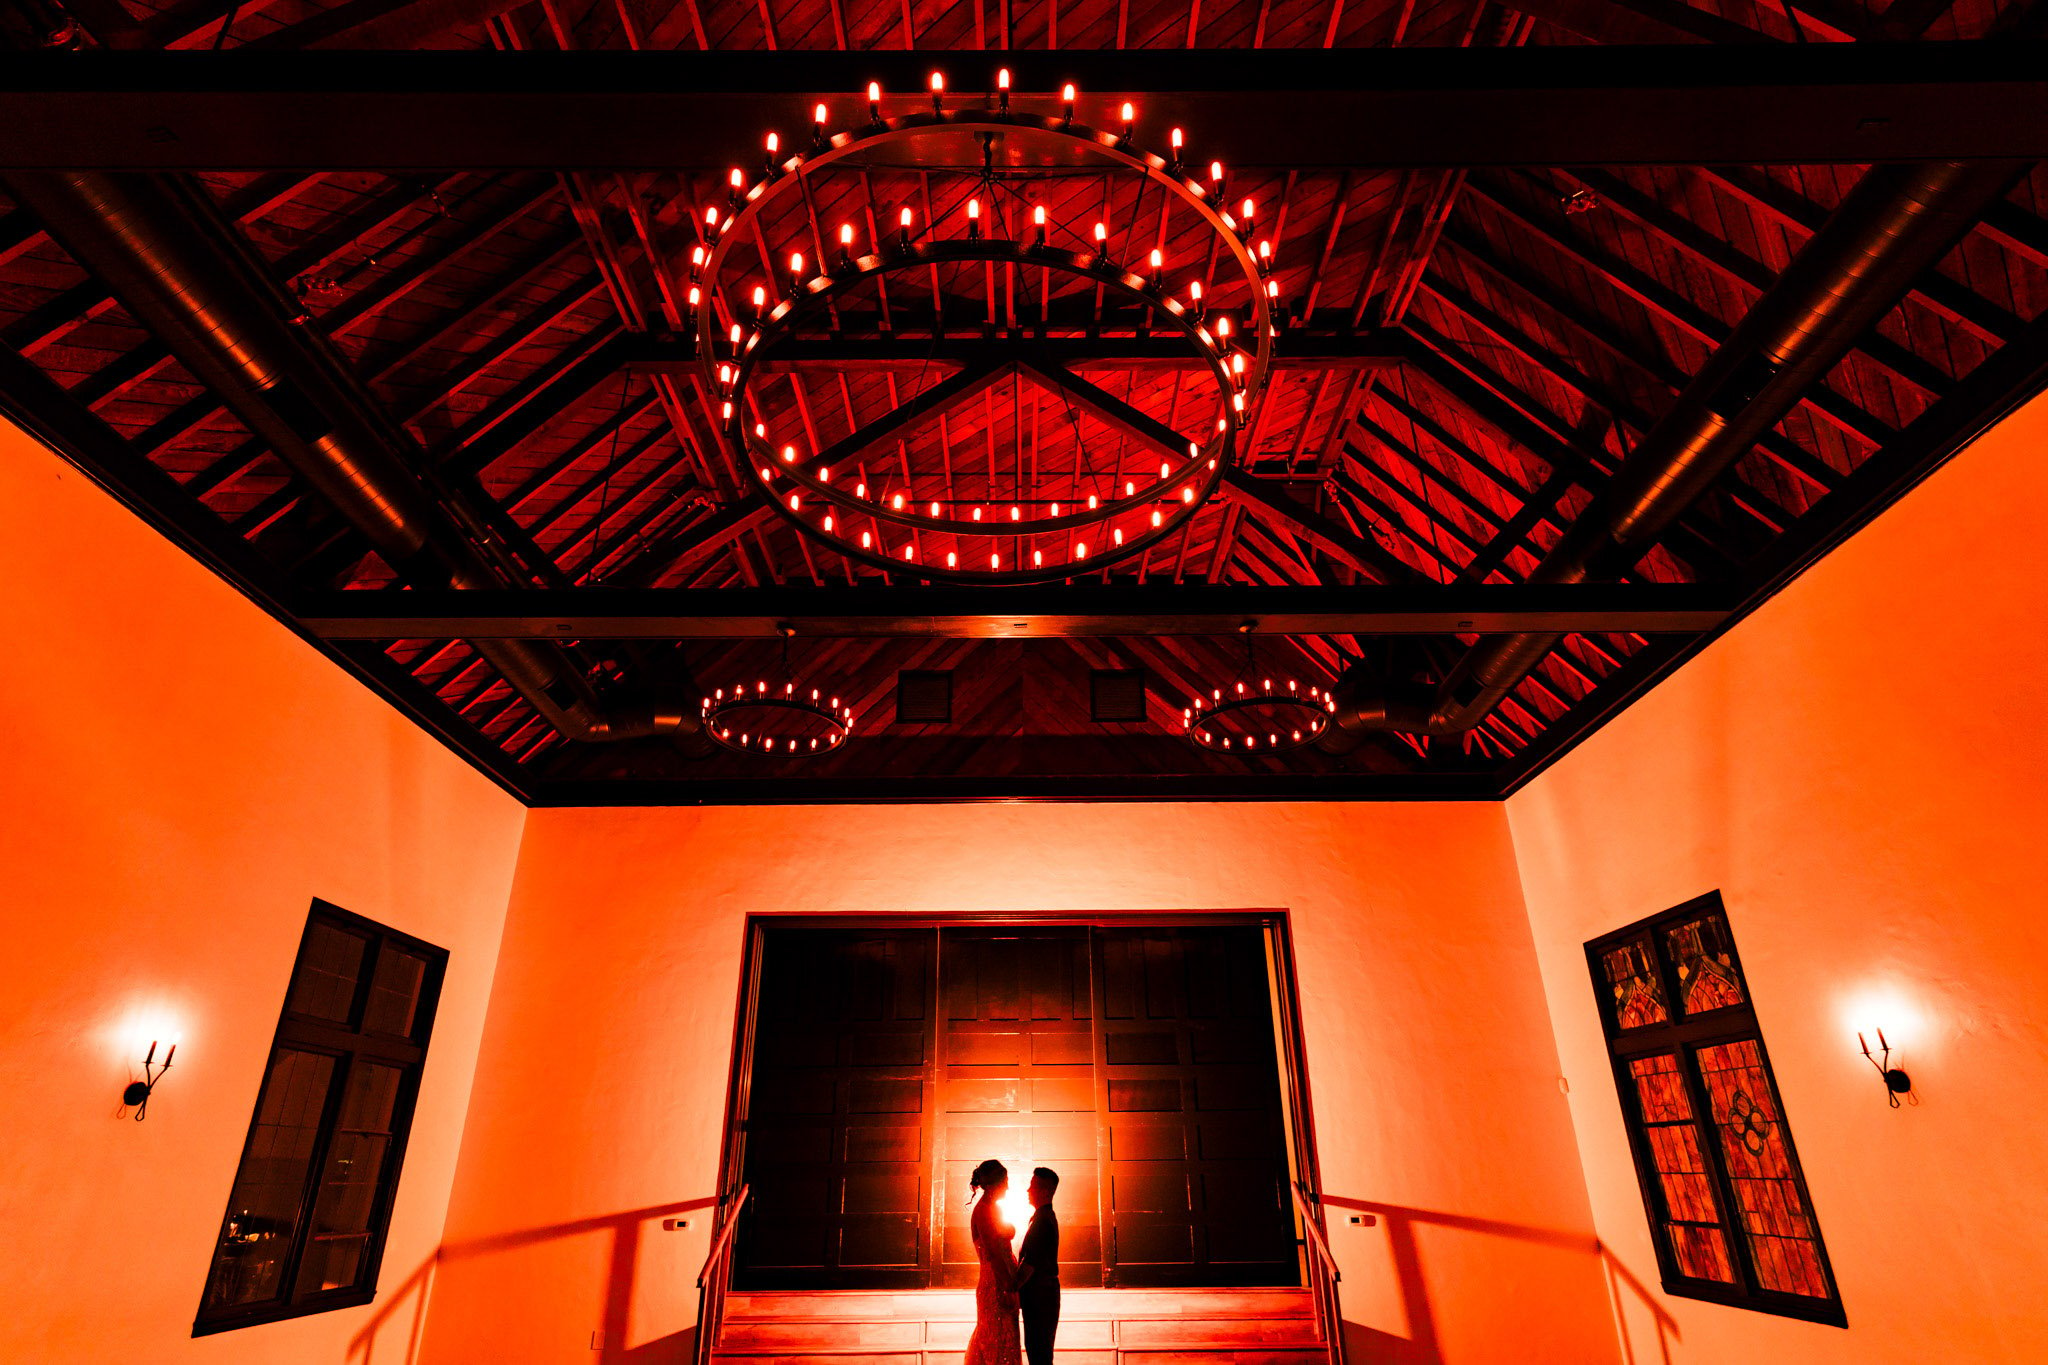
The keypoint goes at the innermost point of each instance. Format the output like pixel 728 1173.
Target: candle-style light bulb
pixel 1158 262
pixel 711 216
pixel 1177 141
pixel 735 186
pixel 938 93
pixel 845 244
pixel 875 101
pixel 1250 214
pixel 1101 241
pixel 903 221
pixel 697 254
pixel 1195 294
pixel 796 269
pixel 1130 116
pixel 1223 326
pixel 974 220
pixel 760 300
pixel 1265 256
pixel 1216 180
pixel 1038 225
pixel 1003 89
pixel 1067 99
pixel 696 297
pixel 818 126
pixel 773 142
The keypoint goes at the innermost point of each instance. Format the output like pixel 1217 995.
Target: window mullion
pixel 1717 1162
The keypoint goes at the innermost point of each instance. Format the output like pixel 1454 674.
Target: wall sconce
pixel 138 1092
pixel 1896 1082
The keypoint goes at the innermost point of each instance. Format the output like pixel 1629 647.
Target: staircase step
pixel 936 1305
pixel 1097 1327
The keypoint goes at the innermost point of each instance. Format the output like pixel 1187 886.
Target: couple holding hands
pixel 1028 1279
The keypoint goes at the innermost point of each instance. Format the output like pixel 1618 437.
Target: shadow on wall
pixel 1421 1347
pixel 394 1333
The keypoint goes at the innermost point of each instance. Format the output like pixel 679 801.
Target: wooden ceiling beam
pixel 902 354
pixel 872 611
pixel 1708 104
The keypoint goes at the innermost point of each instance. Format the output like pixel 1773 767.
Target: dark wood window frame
pixel 1297 1108
pixel 350 1043
pixel 1685 1035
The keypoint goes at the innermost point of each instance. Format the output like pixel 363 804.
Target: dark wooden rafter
pixel 876 612
pixel 554 379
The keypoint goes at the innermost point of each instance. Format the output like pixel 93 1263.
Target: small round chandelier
pixel 1257 713
pixel 944 521
pixel 790 721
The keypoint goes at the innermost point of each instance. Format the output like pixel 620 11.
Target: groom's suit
pixel 1040 1295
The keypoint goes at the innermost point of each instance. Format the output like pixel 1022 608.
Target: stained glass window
pixel 1638 996
pixel 1698 1236
pixel 1703 955
pixel 1728 1208
pixel 1782 1239
pixel 307 1212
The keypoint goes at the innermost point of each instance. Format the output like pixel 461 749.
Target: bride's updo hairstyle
pixel 986 1176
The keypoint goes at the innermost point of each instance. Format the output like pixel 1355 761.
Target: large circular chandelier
pixel 1016 525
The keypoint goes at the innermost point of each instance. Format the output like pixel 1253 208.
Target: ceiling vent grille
pixel 924 697
pixel 1116 694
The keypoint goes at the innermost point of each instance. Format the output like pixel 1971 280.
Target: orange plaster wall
pixel 1859 769
pixel 179 777
pixel 600 1095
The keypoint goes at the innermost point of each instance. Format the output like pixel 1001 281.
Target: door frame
pixel 1297 1117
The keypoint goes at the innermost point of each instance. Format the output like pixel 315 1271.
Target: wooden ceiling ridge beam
pixel 1117 609
pixel 1295 351
pixel 1712 103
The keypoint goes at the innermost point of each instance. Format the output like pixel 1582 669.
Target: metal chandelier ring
pixel 789 480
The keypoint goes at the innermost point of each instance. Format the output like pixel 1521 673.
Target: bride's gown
pixel 995 1340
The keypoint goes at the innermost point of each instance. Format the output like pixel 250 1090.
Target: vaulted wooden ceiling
pixel 1472 353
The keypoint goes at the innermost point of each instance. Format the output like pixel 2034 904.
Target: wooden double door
pixel 1137 1062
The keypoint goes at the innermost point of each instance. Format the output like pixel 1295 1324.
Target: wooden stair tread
pixel 937 1304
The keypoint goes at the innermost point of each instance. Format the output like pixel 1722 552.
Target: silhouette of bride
pixel 995 1340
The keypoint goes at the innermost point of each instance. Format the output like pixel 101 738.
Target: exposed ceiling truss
pixel 1511 246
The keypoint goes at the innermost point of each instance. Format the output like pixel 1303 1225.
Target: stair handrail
pixel 1316 1239
pixel 713 1279
pixel 1323 1273
pixel 728 1221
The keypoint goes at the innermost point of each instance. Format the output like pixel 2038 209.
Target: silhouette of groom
pixel 1038 1269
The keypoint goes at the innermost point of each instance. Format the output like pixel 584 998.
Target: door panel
pixel 1197 1189
pixel 838 1148
pixel 1017 1082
